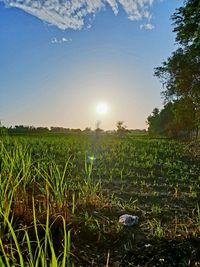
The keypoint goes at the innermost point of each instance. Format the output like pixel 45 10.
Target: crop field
pixel 61 197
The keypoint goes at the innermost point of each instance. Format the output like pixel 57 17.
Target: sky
pixel 60 58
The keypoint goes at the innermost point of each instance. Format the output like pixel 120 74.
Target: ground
pixel 65 194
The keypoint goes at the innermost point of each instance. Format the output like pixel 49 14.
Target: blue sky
pixel 56 65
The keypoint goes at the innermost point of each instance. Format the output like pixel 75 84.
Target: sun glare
pixel 101 108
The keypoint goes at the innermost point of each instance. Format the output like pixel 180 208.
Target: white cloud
pixel 55 40
pixel 67 14
pixel 89 26
pixel 147 26
pixel 64 40
pixel 114 6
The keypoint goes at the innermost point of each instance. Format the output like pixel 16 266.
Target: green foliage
pixel 175 120
pixel 186 21
pixel 180 73
pixel 156 228
pixel 61 197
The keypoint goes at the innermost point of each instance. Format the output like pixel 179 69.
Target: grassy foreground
pixel 61 198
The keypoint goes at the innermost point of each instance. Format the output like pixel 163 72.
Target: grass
pixel 61 197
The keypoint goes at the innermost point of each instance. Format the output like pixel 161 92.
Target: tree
pixel 180 76
pixel 121 129
pixel 160 122
pixel 176 119
pixel 186 21
pixel 180 73
pixel 87 130
pixel 153 122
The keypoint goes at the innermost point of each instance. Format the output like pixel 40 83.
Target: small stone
pixel 147 245
pixel 128 220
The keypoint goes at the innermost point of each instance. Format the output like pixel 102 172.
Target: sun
pixel 101 108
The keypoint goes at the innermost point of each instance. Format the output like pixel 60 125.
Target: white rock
pixel 128 220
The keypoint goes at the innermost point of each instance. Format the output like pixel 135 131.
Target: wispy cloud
pixel 72 13
pixel 147 26
pixel 56 40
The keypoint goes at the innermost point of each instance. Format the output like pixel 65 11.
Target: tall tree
pixel 180 73
pixel 186 21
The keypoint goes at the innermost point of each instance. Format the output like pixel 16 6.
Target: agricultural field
pixel 61 197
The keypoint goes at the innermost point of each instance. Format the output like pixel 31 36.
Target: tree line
pixel 121 130
pixel 180 77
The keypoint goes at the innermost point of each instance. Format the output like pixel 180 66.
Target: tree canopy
pixel 180 74
pixel 186 21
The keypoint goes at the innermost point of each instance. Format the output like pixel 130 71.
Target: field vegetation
pixel 61 197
